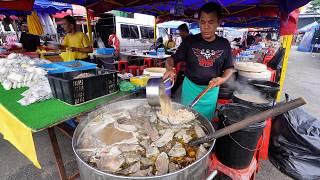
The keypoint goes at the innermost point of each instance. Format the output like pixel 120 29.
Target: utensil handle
pixel 172 84
pixel 279 109
pixel 196 100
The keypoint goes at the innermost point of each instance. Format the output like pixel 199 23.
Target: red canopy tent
pixel 20 5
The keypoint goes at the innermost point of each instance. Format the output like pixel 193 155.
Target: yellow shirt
pixel 170 44
pixel 77 40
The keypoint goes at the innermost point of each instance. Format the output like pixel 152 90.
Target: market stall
pixel 27 105
pixel 39 22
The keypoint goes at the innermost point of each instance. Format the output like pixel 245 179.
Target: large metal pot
pixel 197 170
pixel 260 106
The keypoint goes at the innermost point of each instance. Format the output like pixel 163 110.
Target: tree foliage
pixel 314 6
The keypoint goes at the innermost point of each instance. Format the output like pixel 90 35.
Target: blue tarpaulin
pixel 306 42
pixel 307 27
pixel 159 6
pixel 50 7
pixel 252 22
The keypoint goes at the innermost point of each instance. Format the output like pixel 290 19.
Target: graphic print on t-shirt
pixel 206 57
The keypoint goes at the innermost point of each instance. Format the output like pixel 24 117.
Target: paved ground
pixel 302 80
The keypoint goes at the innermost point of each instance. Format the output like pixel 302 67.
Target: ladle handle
pixel 277 110
pixel 196 100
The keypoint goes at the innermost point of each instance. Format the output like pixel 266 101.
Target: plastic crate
pixel 77 91
pixel 105 51
pixel 153 53
pixel 54 68
pixel 84 65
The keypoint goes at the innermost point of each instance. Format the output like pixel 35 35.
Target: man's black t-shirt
pixel 204 60
pixel 29 42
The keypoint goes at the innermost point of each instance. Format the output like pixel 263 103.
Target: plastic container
pixel 153 53
pixel 259 106
pixel 140 81
pixel 236 150
pixel 105 51
pixel 160 52
pixel 77 91
pixel 54 68
pixel 78 65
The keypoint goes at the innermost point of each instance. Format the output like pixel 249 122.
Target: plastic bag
pixel 100 43
pixel 295 144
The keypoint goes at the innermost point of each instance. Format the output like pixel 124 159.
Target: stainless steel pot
pixel 196 171
pixel 154 86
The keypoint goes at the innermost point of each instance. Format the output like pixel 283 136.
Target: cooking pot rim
pixel 234 96
pixel 140 177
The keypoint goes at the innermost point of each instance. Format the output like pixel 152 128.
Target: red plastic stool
pixel 133 69
pixel 148 62
pixel 266 59
pixel 235 174
pixel 224 101
pixel 122 63
pixel 140 70
pixel 263 142
pixel 273 74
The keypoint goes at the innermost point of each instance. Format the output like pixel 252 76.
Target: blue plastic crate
pixel 84 65
pixel 54 68
pixel 153 53
pixel 105 51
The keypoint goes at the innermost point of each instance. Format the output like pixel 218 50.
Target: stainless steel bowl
pixel 154 86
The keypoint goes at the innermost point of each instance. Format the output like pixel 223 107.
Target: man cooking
pixel 208 62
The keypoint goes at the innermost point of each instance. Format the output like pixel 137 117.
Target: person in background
pixel 30 42
pixel 170 43
pixel 208 59
pixel 183 31
pixel 75 41
pixel 257 39
pixel 114 42
pixel 158 44
pixel 269 37
pixel 235 43
pixel 252 40
pixel 248 42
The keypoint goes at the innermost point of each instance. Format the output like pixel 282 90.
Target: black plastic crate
pixel 77 91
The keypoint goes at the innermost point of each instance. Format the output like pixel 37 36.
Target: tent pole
pixel 287 39
pixel 155 30
pixel 89 26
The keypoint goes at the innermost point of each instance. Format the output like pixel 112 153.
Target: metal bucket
pixel 195 171
pixel 154 86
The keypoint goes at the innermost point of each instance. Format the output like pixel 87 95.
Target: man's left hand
pixel 216 82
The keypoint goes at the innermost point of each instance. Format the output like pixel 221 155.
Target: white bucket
pixel 154 72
